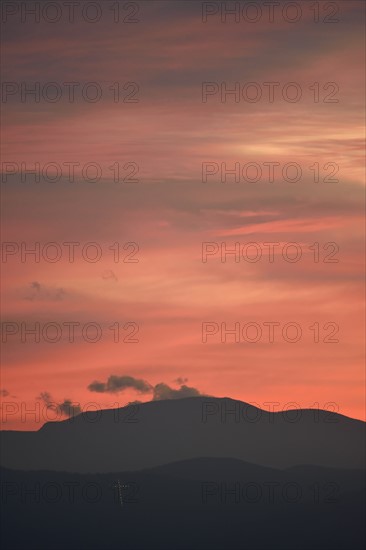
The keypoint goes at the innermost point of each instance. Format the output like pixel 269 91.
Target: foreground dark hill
pixel 189 505
pixel 160 432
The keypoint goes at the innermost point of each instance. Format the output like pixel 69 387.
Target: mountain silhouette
pixel 151 434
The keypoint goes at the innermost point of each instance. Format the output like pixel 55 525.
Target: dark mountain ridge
pixel 160 432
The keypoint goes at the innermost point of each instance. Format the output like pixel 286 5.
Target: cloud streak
pixel 161 391
pixel 64 408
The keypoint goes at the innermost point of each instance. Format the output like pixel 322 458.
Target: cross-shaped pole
pixel 118 486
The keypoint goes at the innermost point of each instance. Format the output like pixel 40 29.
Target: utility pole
pixel 118 486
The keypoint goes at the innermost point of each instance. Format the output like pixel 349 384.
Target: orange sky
pixel 169 133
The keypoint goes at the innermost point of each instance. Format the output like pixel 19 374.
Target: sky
pixel 191 141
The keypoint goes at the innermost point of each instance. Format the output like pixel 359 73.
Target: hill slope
pixel 160 432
